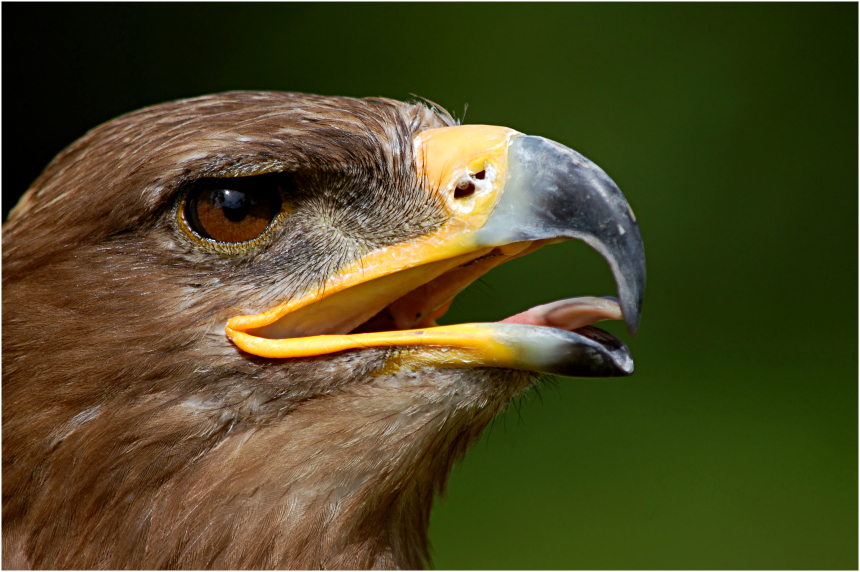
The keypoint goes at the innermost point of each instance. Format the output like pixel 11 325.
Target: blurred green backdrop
pixel 732 129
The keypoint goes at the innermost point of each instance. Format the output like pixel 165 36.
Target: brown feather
pixel 135 435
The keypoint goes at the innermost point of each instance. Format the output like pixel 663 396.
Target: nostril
pixel 464 189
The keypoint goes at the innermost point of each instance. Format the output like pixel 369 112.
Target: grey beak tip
pixel 632 328
pixel 553 191
pixel 632 315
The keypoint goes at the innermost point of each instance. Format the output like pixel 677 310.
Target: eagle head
pixel 220 343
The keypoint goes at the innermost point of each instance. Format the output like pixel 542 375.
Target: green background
pixel 732 129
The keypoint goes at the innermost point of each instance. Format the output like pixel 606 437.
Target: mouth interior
pixel 394 303
pixel 421 307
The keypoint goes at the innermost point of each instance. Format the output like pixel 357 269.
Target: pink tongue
pixel 569 314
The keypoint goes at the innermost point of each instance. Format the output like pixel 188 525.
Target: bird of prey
pixel 220 346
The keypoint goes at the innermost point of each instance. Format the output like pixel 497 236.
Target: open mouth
pixel 421 307
pixel 530 193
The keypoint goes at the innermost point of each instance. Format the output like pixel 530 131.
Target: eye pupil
pixel 232 210
pixel 234 203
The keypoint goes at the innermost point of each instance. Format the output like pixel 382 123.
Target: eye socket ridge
pixel 233 212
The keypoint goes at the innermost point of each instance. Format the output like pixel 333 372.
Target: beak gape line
pixel 524 192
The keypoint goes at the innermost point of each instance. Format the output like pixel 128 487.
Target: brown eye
pixel 227 212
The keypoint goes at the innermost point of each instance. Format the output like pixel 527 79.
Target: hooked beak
pixel 507 194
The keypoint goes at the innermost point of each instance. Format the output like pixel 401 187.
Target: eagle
pixel 220 339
